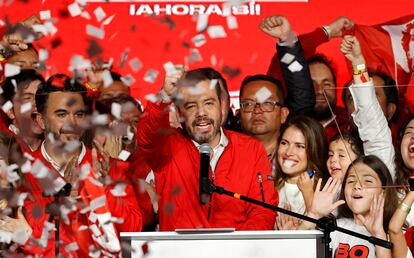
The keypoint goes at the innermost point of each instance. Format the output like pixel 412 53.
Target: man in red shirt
pixel 173 156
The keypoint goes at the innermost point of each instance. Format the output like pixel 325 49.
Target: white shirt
pixel 290 194
pixel 54 164
pixel 217 151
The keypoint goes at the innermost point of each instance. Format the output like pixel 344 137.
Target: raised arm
pixel 295 71
pixel 368 116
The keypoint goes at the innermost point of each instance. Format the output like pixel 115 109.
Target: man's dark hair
pixel 20 81
pixel 116 76
pixel 262 77
pixel 322 59
pixel 192 77
pixel 58 83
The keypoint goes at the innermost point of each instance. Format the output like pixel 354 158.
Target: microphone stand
pixel 326 224
pixel 65 191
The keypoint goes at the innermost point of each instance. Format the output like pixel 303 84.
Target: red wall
pixel 154 43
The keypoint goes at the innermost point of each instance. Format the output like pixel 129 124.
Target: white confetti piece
pixel 50 28
pixel 135 64
pixel 170 68
pixel 26 107
pixel 21 198
pixel 83 227
pixel 71 247
pixel 287 58
pixel 108 20
pixel 7 106
pixel 216 31
pixel 107 78
pixel 119 190
pixel 263 94
pixel 26 167
pixel 86 15
pixel 295 67
pixel 194 55
pixel 39 28
pixel 100 119
pixel 98 202
pixel 11 70
pixel 99 14
pixel 95 32
pixel 116 109
pixel 45 15
pixel 151 76
pixel 213 83
pixel 199 40
pixel 150 177
pixel 77 62
pixel 202 22
pixel 151 98
pixel 124 155
pixel 72 145
pixel 43 55
pixel 5 237
pixel 20 236
pixel 232 22
pixel 39 170
pixel 95 230
pixel 198 89
pixel 128 80
pixel 84 172
pixel 213 60
pixel 130 133
pixel 74 9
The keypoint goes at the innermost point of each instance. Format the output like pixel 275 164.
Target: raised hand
pixel 19 224
pixel 276 26
pixel 340 24
pixel 324 200
pixel 351 48
pixel 171 79
pixel 373 221
pixel 286 222
pixel 305 183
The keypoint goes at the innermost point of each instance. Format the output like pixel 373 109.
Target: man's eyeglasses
pixel 267 106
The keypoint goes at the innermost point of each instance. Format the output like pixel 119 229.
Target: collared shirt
pixel 54 164
pixel 217 151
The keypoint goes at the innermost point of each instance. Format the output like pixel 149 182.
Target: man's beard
pixel 322 112
pixel 201 138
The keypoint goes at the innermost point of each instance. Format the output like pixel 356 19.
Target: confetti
pixel 199 40
pixel 95 32
pixel 128 80
pixel 74 9
pixel 135 64
pixel 100 119
pixel 213 60
pixel 84 172
pixel 116 109
pixel 202 22
pixel 39 170
pixel 40 28
pixel 213 83
pixel 119 190
pixel 11 70
pixel 20 236
pixel 7 106
pixel 45 15
pixel 194 56
pixel 72 146
pixel 124 155
pixel 99 14
pixel 94 49
pixel 107 78
pixel 151 76
pixel 150 177
pixel 287 58
pixel 232 22
pixel 295 67
pixel 26 107
pixel 98 202
pixel 170 68
pixel 86 15
pixel 43 54
pixel 124 57
pixel 21 198
pixel 151 98
pixel 263 94
pixel 50 28
pixel 26 167
pixel 108 20
pixel 216 31
pixel 71 247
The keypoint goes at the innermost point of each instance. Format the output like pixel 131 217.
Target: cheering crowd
pixel 81 157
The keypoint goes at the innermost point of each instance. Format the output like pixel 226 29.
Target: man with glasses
pixel 262 110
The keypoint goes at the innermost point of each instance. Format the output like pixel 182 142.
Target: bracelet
pixel 359 72
pixel 404 207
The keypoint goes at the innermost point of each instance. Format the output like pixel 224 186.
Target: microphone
pixel 205 151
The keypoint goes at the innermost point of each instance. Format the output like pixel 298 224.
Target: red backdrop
pixel 155 43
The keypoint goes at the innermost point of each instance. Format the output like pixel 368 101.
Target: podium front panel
pixel 240 244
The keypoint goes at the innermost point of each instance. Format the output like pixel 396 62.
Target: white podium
pixel 237 244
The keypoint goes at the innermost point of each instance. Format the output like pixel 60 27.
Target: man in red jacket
pixel 173 156
pixel 84 218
